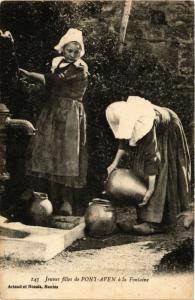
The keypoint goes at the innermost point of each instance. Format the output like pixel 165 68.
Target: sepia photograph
pixel 97 149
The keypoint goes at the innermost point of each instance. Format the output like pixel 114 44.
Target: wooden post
pixel 124 23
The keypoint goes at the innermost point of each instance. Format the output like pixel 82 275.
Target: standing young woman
pixel 153 137
pixel 58 151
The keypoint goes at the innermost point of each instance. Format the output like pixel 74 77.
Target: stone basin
pixel 12 233
pixel 35 243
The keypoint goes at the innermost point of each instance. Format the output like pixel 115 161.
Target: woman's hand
pixel 111 168
pixel 150 190
pixel 84 70
pixel 146 198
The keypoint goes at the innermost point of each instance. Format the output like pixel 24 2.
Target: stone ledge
pixel 35 243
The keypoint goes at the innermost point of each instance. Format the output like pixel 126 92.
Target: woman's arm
pixel 150 190
pixel 120 153
pixel 151 162
pixel 37 76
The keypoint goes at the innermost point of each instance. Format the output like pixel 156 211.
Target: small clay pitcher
pixel 41 209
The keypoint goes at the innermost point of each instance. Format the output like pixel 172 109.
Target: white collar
pixel 56 62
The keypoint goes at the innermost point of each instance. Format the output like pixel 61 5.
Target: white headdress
pixel 132 119
pixel 72 35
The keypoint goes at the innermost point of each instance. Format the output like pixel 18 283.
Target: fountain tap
pixel 20 124
pixel 6 122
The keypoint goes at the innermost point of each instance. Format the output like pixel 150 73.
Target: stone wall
pixel 164 28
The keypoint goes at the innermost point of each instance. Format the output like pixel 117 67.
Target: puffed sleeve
pixel 151 153
pixel 55 78
pixel 73 73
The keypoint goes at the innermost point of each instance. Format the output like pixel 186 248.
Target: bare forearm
pixel 38 76
pixel 150 190
pixel 151 182
pixel 120 153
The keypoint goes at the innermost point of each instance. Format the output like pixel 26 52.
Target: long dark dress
pixel 58 150
pixel 164 152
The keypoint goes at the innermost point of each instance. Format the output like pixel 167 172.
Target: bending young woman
pixel 153 137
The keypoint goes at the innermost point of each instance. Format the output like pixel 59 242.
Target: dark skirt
pixel 172 190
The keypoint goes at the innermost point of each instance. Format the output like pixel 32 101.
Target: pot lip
pixel 100 200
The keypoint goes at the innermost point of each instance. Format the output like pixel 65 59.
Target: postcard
pixel 96 148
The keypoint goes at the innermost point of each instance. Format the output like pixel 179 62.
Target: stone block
pixel 3 220
pixel 35 243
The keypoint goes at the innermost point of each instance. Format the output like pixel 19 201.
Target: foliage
pixel 180 259
pixel 37 27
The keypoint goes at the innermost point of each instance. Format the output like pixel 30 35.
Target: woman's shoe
pixel 147 228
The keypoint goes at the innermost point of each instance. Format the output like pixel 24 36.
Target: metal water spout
pixel 20 124
pixel 6 122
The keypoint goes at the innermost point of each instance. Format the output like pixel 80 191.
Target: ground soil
pixel 121 252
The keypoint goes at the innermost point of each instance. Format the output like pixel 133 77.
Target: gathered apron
pixel 58 151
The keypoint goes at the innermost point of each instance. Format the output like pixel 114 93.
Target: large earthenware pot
pixel 100 218
pixel 41 209
pixel 125 184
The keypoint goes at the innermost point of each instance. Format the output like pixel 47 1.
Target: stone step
pixel 35 243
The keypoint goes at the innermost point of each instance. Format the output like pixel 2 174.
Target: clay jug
pixel 41 209
pixel 124 184
pixel 100 218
